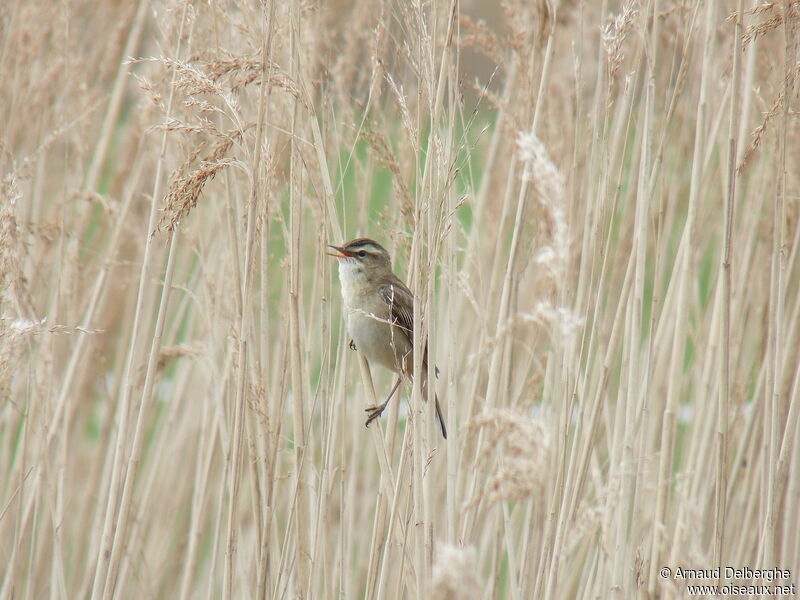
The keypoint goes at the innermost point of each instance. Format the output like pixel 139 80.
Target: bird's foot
pixel 374 412
pixel 352 345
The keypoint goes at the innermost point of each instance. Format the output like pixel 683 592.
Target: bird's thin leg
pixel 375 411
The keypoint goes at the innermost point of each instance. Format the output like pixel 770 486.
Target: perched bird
pixel 379 313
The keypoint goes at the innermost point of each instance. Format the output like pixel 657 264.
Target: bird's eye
pixel 362 254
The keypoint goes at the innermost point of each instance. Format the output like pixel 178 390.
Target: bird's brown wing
pixel 401 302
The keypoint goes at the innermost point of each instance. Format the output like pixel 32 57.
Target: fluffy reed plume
pixel 615 32
pixel 186 187
pixel 12 276
pixel 594 202
pixel 518 452
pixel 454 576
pixel 548 184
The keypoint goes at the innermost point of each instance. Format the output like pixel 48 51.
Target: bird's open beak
pixel 342 253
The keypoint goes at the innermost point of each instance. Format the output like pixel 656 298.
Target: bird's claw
pixel 352 345
pixel 373 413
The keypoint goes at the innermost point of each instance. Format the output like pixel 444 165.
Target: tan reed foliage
pixel 595 204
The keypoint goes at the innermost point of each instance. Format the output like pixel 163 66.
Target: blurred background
pixel 595 204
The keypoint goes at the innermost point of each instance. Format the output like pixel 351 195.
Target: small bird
pixel 379 313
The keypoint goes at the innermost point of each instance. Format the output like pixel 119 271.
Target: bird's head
pixel 364 254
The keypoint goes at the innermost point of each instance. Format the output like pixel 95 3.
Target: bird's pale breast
pixel 368 323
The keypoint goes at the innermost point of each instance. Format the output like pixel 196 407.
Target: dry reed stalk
pixel 723 406
pixel 119 498
pixel 617 365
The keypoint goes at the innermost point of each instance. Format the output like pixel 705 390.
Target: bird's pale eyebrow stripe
pixel 368 247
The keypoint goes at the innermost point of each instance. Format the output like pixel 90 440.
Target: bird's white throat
pixel 350 272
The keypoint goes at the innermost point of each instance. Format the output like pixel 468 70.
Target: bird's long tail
pixel 439 416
